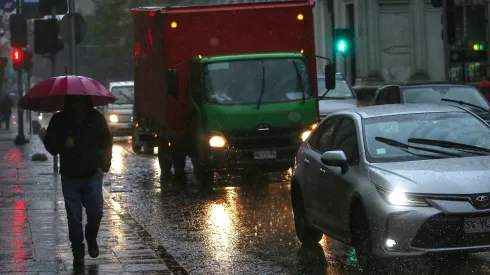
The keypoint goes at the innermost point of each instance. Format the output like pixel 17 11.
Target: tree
pixel 113 26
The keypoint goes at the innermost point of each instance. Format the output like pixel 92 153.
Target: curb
pixel 153 243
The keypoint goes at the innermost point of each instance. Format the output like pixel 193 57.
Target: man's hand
pixel 100 173
pixel 69 142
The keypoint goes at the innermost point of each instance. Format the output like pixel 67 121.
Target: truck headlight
pixel 400 198
pixel 217 142
pixel 307 132
pixel 113 118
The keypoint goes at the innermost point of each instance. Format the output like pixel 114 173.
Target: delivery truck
pixel 232 87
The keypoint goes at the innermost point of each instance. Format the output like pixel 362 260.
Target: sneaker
pixel 93 248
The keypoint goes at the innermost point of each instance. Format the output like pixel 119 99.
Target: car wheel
pixel 362 238
pixel 306 234
pixel 136 146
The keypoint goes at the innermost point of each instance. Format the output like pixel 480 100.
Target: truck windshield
pixel 241 82
pixel 124 94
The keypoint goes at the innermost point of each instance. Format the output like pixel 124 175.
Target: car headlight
pixel 113 118
pixel 401 198
pixel 217 142
pixel 305 134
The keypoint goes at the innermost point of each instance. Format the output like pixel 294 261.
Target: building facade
pixel 400 41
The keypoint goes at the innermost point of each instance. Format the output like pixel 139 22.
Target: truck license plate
pixel 477 225
pixel 265 155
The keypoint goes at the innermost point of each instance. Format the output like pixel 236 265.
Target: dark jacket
pixel 92 147
pixel 6 105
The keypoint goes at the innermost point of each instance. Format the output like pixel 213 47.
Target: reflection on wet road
pixel 241 227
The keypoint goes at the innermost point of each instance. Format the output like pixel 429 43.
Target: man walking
pixel 80 135
pixel 6 105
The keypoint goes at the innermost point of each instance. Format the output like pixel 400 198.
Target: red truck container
pixel 167 38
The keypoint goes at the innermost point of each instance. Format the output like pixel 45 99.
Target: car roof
pixel 400 109
pixel 121 83
pixel 431 84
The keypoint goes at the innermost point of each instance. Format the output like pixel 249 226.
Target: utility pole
pixel 20 139
pixel 53 74
pixel 29 114
pixel 445 34
pixel 73 46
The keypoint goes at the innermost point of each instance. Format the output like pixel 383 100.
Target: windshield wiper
pixel 300 82
pixel 464 103
pixel 404 147
pixel 451 145
pixel 263 86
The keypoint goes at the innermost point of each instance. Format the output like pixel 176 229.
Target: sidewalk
pixel 34 231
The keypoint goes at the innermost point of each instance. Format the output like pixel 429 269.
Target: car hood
pixel 469 175
pixel 327 106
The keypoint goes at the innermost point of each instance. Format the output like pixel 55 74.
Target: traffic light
pixel 46 36
pixel 18 59
pixel 478 47
pixel 46 7
pixel 18 31
pixel 27 55
pixel 343 41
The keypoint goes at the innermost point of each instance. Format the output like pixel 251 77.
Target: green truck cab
pixel 248 113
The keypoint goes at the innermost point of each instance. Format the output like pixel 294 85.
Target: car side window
pixel 345 139
pixel 321 140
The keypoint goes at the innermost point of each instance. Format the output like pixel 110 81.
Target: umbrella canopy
pixel 49 95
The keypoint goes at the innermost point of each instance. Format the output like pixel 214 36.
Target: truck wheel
pixel 204 175
pixel 135 144
pixel 179 167
pixel 207 177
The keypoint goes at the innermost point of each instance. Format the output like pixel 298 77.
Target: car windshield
pixel 241 82
pixel 124 94
pixel 342 89
pixel 455 127
pixel 436 94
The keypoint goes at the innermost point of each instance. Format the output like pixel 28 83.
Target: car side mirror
pixel 336 159
pixel 173 82
pixel 330 76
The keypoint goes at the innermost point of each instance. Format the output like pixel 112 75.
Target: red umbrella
pixel 49 95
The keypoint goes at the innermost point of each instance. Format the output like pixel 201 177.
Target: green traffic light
pixel 478 47
pixel 342 46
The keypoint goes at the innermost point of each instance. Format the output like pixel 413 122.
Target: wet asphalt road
pixel 241 227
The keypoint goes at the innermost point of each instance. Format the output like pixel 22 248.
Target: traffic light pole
pixel 20 139
pixel 445 40
pixel 29 113
pixel 53 74
pixel 73 47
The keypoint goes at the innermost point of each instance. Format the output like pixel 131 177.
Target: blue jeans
pixel 86 192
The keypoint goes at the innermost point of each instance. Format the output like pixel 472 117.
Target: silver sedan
pixel 395 180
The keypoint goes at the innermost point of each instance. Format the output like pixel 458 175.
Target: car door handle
pixel 307 161
pixel 323 171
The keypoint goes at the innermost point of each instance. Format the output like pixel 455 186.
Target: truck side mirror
pixel 173 82
pixel 330 76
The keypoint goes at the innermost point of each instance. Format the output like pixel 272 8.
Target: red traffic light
pixel 17 55
pixel 18 59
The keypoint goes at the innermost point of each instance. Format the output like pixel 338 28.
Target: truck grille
pixel 252 139
pixel 446 231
